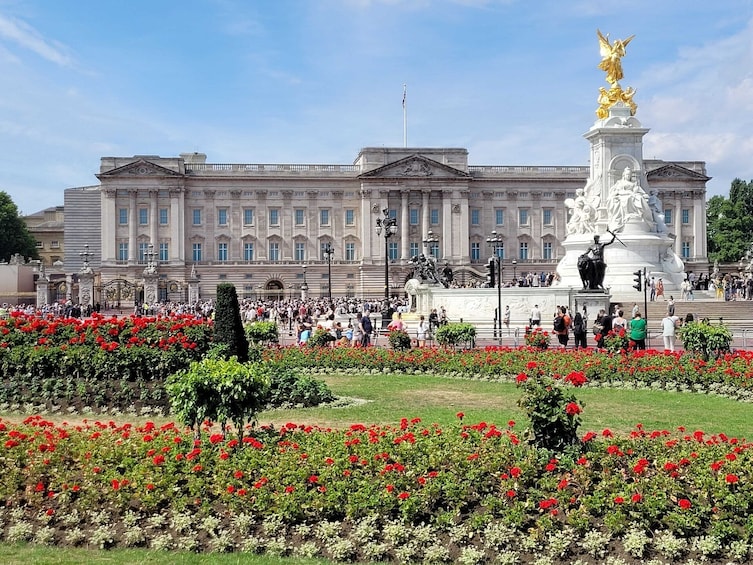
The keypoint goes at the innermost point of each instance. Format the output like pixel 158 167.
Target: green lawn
pixel 436 399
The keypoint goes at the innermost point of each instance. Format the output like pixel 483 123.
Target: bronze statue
pixel 591 265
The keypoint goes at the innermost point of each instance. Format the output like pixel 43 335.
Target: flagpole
pixel 405 117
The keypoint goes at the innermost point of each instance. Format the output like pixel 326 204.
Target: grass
pixel 436 399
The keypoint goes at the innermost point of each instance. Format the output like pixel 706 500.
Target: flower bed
pixel 466 493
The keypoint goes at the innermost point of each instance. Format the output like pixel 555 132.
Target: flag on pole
pixel 404 93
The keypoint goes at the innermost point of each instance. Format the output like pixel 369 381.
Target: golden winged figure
pixel 611 56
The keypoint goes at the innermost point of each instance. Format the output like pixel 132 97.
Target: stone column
pixel 133 221
pixel 405 227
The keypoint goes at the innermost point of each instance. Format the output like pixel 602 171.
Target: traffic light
pixel 638 280
pixel 490 268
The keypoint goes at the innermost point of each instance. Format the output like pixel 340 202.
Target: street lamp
pixel 328 251
pixel 514 275
pixel 304 285
pixel 389 227
pixel 429 242
pixel 496 242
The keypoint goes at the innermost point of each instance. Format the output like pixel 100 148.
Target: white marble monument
pixel 616 203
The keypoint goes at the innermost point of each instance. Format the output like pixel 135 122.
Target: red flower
pixel 460 415
pixel 572 409
pixel 403 495
pixel 618 500
pixel 731 479
pixel 684 503
pixel 636 498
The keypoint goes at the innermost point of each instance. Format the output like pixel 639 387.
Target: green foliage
pixel 552 410
pixel 539 338
pixel 219 390
pixel 704 339
pixel 617 341
pixel 15 236
pixel 455 334
pixel 320 337
pixel 730 223
pixel 399 340
pixel 228 327
pixel 263 332
pixel 291 388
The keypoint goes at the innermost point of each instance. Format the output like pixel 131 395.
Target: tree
pixel 228 326
pixel 730 223
pixel 14 236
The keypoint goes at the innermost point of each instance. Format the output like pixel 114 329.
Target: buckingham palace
pixel 274 230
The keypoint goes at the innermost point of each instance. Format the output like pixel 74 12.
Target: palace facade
pixel 268 228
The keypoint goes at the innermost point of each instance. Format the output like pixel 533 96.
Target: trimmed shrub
pixel 228 327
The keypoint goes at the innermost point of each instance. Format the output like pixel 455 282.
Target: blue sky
pixel 313 81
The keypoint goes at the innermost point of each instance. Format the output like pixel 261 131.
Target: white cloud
pixel 24 35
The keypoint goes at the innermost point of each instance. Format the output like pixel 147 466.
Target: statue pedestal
pixel 151 288
pixel 85 289
pixel 642 249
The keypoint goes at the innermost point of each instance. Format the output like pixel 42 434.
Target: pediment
pixel 674 171
pixel 141 168
pixel 415 166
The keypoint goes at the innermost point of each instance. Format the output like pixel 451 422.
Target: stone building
pixel 266 228
pixel 47 228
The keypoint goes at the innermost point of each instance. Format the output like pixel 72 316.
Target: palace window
pixel 300 215
pixel 222 251
pixel 523 216
pixel 546 250
pixel 123 216
pixel 499 216
pixel 393 251
pixel 685 249
pixel 324 217
pixel 475 251
pixel 248 251
pixel 350 251
pixel 143 249
pixel 413 216
pixel 413 249
pixel 350 217
pixel 123 251
pixel 274 251
pixel 523 251
pixel 196 252
pixel 197 216
pixel 248 216
pixel 274 217
pixel 668 216
pixel 475 217
pixel 300 251
pixel 222 216
pixel 547 216
pixel 143 216
pixel 163 216
pixel 434 216
pixel 685 216
pixel 164 254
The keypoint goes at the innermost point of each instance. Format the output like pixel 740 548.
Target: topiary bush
pixel 228 327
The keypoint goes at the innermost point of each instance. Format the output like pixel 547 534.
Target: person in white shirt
pixel 535 316
pixel 668 327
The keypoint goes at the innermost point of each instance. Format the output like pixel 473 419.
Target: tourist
pixel 618 322
pixel 562 326
pixel 506 319
pixel 356 339
pixel 535 316
pixel 668 327
pixel 579 332
pixel 637 329
pixel 423 330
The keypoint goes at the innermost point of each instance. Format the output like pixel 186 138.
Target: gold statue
pixel 611 62
pixel 612 55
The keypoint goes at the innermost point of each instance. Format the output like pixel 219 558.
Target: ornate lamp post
pixel 389 227
pixel 495 241
pixel 328 251
pixel 514 272
pixel 304 285
pixel 429 242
